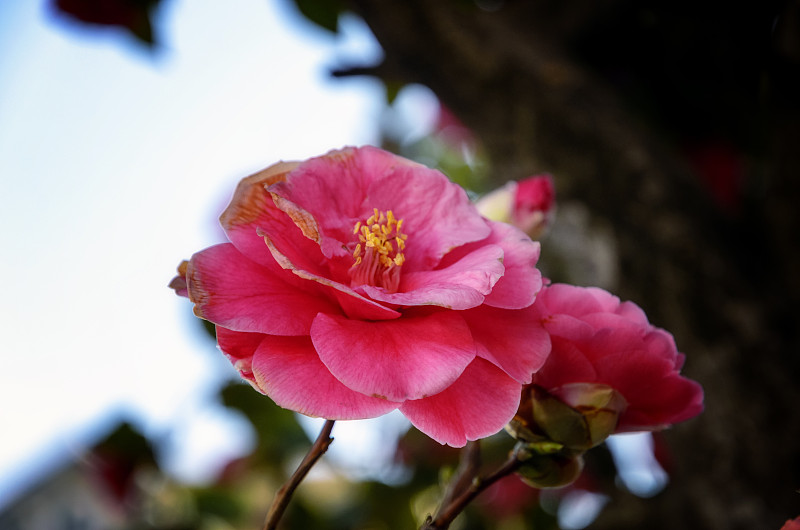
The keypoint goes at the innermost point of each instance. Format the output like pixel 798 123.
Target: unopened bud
pixel 551 471
pixel 577 416
pixel 528 204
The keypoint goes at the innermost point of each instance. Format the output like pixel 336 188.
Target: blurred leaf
pixel 324 13
pixel 209 328
pixel 220 502
pixel 277 429
pixel 393 88
pixel 133 15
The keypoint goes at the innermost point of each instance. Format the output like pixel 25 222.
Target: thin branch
pixel 448 513
pixel 284 495
pixel 465 473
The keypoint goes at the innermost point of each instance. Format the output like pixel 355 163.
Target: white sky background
pixel 114 166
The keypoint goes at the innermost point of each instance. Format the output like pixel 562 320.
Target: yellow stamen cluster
pixel 379 252
pixel 381 233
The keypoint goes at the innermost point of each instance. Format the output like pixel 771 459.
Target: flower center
pixel 379 252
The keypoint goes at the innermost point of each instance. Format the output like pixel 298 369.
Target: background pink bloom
pixel 528 204
pixel 359 282
pixel 792 524
pixel 598 339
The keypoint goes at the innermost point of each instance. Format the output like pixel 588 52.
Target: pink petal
pixel 407 358
pixel 561 298
pixel 566 364
pixel 239 347
pixel 437 214
pixel 478 404
pixel 522 280
pixel 252 208
pixel 566 326
pixel 333 189
pixel 657 395
pixel 289 371
pixel 236 293
pixel 674 399
pixel 513 340
pixel 353 304
pixel 462 285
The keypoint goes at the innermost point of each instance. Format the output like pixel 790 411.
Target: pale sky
pixel 114 166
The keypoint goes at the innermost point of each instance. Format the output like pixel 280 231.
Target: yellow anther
pixel 378 254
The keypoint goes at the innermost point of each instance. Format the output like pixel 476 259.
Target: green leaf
pixel 324 13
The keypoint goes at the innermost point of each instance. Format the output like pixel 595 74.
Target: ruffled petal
pixel 462 285
pixel 521 280
pixel 333 189
pixel 231 291
pixel 251 209
pixel 289 371
pixel 656 393
pixel 561 298
pixel 566 326
pixel 401 359
pixel 513 340
pixel 239 347
pixel 566 364
pixel 478 404
pixel 353 304
pixel 437 214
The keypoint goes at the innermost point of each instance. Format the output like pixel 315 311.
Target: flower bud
pixel 550 471
pixel 577 416
pixel 528 204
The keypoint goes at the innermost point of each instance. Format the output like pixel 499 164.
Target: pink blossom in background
pixel 598 339
pixel 359 282
pixel 528 204
pixel 792 524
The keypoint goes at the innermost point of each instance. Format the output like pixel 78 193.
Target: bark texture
pixel 677 125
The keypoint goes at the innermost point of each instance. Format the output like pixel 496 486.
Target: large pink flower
pixel 359 282
pixel 598 339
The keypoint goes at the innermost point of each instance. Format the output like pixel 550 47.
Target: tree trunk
pixel 615 98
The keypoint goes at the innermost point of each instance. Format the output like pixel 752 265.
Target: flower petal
pixel 333 188
pixel 478 404
pixel 289 371
pixel 252 208
pixel 522 280
pixel 353 304
pixel 239 347
pixel 565 364
pixel 437 214
pixel 513 340
pixel 657 394
pixel 407 358
pixel 230 290
pixel 462 285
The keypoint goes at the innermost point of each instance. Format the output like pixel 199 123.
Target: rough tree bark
pixel 610 96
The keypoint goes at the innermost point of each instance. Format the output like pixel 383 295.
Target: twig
pixel 284 495
pixel 466 471
pixel 448 513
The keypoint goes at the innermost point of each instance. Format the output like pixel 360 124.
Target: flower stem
pixel 455 505
pixel 467 470
pixel 284 495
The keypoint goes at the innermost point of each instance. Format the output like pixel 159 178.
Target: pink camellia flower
pixel 528 204
pixel 599 342
pixel 359 282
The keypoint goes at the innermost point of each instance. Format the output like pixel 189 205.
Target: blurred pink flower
pixel 359 282
pixel 792 524
pixel 528 204
pixel 599 340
